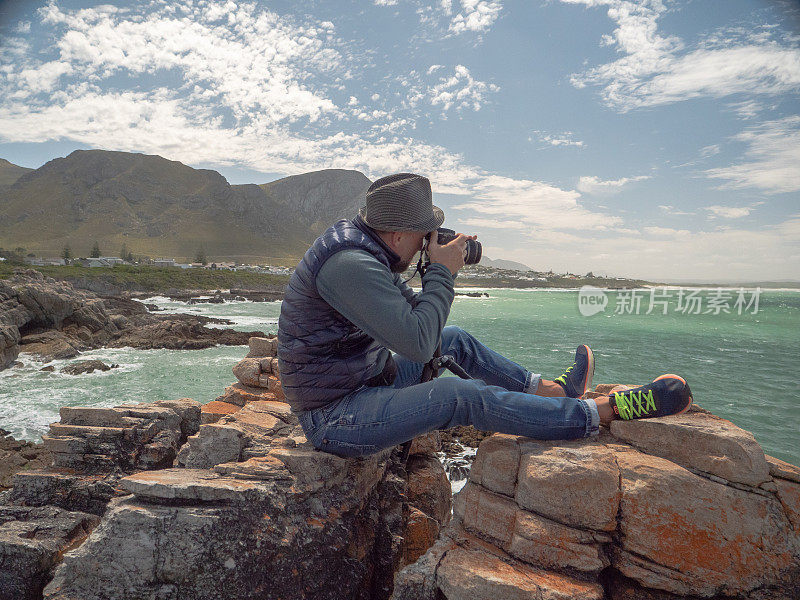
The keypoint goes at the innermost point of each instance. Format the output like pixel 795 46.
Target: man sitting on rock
pixel 353 339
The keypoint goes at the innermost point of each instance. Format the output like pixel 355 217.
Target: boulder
pixel 86 366
pixel 248 371
pixel 261 347
pixel 703 442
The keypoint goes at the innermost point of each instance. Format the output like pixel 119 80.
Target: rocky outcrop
pixel 245 508
pixel 678 507
pixel 20 455
pixel 53 320
pixel 87 366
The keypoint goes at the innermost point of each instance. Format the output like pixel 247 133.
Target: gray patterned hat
pixel 401 202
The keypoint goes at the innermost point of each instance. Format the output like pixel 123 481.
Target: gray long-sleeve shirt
pixel 379 303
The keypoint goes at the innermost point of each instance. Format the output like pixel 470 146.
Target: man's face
pixel 408 243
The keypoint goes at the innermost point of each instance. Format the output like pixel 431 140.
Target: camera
pixel 472 255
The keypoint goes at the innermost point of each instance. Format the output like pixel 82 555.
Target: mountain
pixel 161 207
pixel 504 264
pixel 9 172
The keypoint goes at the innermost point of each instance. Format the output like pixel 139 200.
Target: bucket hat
pixel 401 202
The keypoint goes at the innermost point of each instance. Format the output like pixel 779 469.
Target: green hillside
pixel 157 207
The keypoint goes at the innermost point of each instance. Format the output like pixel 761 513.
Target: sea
pixel 737 349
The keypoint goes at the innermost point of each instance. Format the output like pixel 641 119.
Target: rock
pixel 490 515
pixel 32 542
pixel 473 574
pixel 782 469
pixel 248 371
pixel 261 346
pixel 688 535
pixel 240 394
pixel 215 443
pixel 420 534
pixel 250 531
pixel 699 441
pixel 213 411
pixel 49 368
pixel 51 345
pixel 620 523
pixel 179 334
pixel 559 480
pixel 428 443
pixel 429 488
pixel 125 437
pixel 20 455
pixel 85 366
pixel 269 366
pixel 497 464
pixel 556 547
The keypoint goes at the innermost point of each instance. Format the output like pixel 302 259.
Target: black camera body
pixel 474 251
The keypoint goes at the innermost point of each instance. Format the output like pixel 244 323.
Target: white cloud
pixel 532 203
pixel 671 210
pixel 729 212
pixel 460 91
pixel 557 139
pixel 774 153
pixel 665 232
pixel 385 2
pixel 475 15
pixel 594 185
pixel 657 69
pixel 748 109
pixel 711 150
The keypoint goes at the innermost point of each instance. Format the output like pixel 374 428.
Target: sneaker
pixel 667 395
pixel 577 379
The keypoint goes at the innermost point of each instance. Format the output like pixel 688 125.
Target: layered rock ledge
pixel 147 501
pixel 685 506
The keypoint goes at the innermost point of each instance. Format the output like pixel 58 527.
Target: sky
pixel 656 139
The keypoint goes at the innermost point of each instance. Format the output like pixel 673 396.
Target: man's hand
pixel 451 255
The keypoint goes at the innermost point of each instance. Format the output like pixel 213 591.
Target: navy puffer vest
pixel 321 355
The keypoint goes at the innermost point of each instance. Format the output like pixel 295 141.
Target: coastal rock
pixel 179 334
pixel 86 366
pixel 703 442
pixel 261 346
pixel 131 436
pixel 20 455
pixel 428 487
pixel 239 394
pixel 54 320
pixel 248 371
pixel 213 411
pixel 248 529
pixel 32 542
pixel 629 516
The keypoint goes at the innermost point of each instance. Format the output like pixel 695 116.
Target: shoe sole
pixel 682 380
pixel 587 381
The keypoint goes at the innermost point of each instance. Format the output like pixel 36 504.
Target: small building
pixel 164 262
pixel 93 262
pixel 114 260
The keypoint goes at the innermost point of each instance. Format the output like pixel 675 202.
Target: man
pixel 353 339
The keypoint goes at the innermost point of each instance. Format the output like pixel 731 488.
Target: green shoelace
pixel 635 404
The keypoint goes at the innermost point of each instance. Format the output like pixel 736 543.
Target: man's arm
pixel 364 291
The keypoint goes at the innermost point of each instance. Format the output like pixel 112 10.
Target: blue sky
pixel 652 139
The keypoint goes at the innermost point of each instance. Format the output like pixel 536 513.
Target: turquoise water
pixel 742 367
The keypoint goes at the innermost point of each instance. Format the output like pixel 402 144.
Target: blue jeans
pixel 500 398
